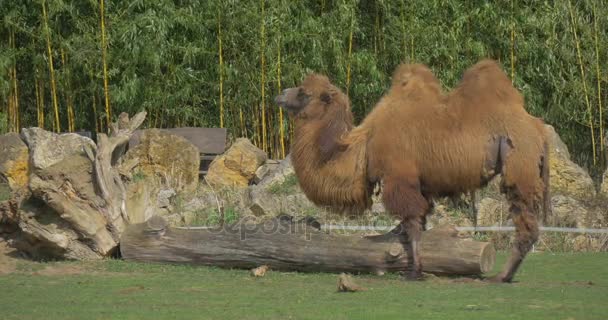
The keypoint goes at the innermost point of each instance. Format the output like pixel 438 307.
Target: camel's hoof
pixel 413 276
pixel 496 279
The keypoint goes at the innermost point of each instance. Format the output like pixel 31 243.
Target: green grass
pixel 549 286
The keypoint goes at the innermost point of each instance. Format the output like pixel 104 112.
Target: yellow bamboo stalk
pixel 512 42
pixel 9 116
pixel 243 132
pixel 94 102
pixel 403 37
pixel 350 52
pixel 16 97
pixel 16 90
pixel 68 92
pixel 219 39
pixel 599 77
pixel 376 30
pixel 263 77
pixel 11 100
pixel 580 62
pixel 97 129
pixel 412 57
pixel 41 91
pixel 281 129
pixel 106 90
pixel 37 93
pixel 56 125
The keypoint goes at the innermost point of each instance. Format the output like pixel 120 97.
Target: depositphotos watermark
pixel 251 226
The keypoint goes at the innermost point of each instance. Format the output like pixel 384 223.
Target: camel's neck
pixel 330 165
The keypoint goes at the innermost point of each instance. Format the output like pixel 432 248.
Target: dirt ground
pixel 7 262
pixel 10 262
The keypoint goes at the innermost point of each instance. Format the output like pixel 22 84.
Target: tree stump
pixel 76 209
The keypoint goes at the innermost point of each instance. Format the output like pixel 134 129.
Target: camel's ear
pixel 325 97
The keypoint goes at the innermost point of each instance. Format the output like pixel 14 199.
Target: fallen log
pixel 300 247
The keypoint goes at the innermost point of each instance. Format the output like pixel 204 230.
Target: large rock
pixel 167 157
pixel 567 178
pixel 604 186
pixel 237 166
pixel 567 212
pixel 14 163
pixel 48 148
pixel 263 202
pixel 265 169
pixel 279 173
pixel 492 212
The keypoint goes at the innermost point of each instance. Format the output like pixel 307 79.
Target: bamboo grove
pixel 75 65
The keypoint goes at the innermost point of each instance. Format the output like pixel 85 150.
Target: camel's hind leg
pixel 522 184
pixel 526 234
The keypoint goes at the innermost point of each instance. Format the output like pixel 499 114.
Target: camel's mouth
pixel 293 100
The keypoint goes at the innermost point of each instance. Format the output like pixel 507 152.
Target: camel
pixel 422 143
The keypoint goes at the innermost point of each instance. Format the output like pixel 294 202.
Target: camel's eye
pixel 325 97
pixel 301 94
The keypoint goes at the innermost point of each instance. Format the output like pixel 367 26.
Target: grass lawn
pixel 549 286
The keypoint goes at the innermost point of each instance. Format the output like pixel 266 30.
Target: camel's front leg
pixel 402 197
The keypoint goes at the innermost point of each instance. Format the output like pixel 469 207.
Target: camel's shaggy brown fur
pixel 422 143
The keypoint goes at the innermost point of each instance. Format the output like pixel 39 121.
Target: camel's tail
pixel 545 175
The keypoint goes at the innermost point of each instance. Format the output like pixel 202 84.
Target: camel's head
pixel 313 99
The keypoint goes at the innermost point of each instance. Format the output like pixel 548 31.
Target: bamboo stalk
pixel 263 77
pixel 580 62
pixel 16 90
pixel 42 95
pixel 376 29
pixel 97 128
pixel 39 115
pixel 56 125
pixel 281 129
pixel 512 41
pixel 350 51
pixel 94 94
pixel 11 101
pixel 68 98
pixel 403 37
pixel 105 64
pixel 412 57
pixel 243 132
pixel 156 117
pixel 219 39
pixel 16 97
pixel 599 77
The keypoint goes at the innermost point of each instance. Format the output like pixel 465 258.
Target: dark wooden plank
pixel 207 140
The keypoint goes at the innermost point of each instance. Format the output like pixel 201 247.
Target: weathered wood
pixel 285 246
pixel 75 205
pixel 106 178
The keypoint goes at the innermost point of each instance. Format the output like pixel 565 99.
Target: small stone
pixel 259 271
pixel 346 284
